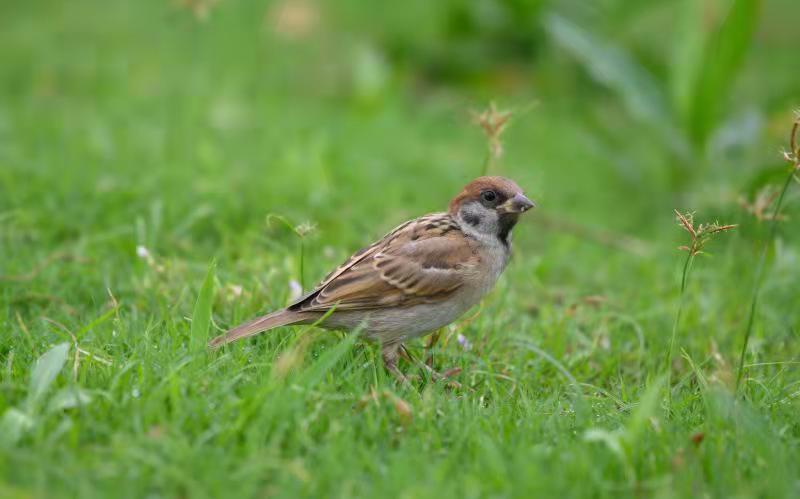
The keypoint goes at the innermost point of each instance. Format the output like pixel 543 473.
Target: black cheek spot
pixel 472 219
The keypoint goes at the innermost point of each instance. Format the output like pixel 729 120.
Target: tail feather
pixel 258 325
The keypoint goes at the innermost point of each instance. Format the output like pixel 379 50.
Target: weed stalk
pixel 698 237
pixel 793 157
pixel 493 123
pixel 687 267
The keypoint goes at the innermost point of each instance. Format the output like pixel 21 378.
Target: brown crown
pixel 504 187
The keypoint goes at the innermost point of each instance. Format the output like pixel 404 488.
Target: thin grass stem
pixel 302 265
pixel 687 266
pixel 759 276
pixel 487 164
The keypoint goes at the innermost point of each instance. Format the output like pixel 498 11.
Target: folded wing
pixel 425 261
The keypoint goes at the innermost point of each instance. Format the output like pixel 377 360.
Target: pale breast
pixel 494 256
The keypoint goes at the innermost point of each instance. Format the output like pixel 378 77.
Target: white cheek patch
pixel 478 221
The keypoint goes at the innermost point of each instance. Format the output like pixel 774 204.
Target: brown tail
pixel 258 325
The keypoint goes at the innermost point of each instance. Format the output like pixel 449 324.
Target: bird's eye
pixel 488 196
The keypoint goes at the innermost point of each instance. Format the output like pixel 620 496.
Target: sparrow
pixel 420 277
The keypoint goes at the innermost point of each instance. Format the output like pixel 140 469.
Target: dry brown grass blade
pixel 721 228
pixel 686 223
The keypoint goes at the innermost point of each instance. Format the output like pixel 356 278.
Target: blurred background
pixel 141 139
pixel 622 106
pixel 180 125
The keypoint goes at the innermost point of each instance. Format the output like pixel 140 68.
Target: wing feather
pixel 421 261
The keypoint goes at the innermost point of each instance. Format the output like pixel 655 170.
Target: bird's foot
pixel 433 373
pixel 390 356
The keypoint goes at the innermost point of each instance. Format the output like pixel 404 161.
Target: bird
pixel 418 278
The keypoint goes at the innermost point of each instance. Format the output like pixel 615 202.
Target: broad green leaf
pixel 69 398
pixel 614 68
pixel 45 371
pixel 689 39
pixel 722 59
pixel 610 439
pixel 13 426
pixel 201 317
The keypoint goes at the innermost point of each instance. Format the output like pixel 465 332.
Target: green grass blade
pixel 201 317
pixel 315 372
pixel 641 415
pixel 104 317
pixel 45 370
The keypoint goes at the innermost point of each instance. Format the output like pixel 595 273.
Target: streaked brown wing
pixel 422 261
pixel 355 258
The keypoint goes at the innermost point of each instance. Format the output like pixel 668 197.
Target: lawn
pixel 171 169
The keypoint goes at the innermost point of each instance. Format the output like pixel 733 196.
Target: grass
pixel 698 238
pixel 136 150
pixel 792 156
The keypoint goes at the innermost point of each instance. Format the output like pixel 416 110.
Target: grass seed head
pixel 761 203
pixel 201 9
pixel 793 154
pixel 493 122
pixel 402 408
pixel 305 229
pixel 293 20
pixel 698 236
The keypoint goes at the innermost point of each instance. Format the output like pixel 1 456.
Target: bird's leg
pixel 389 353
pixel 405 354
pixel 435 375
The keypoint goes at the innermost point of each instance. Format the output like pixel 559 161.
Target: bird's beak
pixel 517 204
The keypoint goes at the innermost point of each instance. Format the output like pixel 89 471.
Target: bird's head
pixel 490 206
